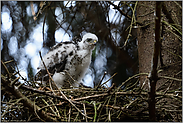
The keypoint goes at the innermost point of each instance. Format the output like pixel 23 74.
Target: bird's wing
pixel 56 58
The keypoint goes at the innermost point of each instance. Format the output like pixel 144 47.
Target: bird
pixel 68 61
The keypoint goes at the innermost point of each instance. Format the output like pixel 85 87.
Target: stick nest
pixel 29 102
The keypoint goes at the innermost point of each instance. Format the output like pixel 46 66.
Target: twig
pixel 146 14
pixel 116 107
pixel 26 102
pixel 69 115
pixel 41 92
pixel 169 17
pixel 14 81
pixel 109 79
pixel 50 107
pixel 125 14
pixel 85 111
pixel 57 112
pixel 132 21
pixel 171 78
pixel 42 9
pixel 178 4
pixel 95 109
pixel 59 89
pixel 71 78
pixel 124 93
pixel 48 73
pixel 6 69
pixel 132 102
pixel 59 23
pixel 101 80
pixel 178 33
pixel 35 111
pixel 110 88
pixel 8 61
pixel 50 95
pixel 130 79
pixel 9 107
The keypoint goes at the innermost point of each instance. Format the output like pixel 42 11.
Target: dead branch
pixel 123 13
pixel 26 102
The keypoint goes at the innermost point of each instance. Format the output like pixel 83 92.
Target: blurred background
pixel 30 27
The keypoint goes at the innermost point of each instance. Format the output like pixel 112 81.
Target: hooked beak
pixel 93 43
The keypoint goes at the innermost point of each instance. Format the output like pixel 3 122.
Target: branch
pixel 125 14
pixel 125 93
pixel 50 78
pixel 27 102
pixel 153 74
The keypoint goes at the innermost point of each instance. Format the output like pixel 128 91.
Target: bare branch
pixel 27 102
pixel 153 74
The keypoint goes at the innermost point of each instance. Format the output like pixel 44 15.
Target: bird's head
pixel 89 39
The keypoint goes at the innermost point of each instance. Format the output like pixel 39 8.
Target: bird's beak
pixel 93 43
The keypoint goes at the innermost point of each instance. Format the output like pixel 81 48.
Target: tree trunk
pixel 170 63
pixel 145 36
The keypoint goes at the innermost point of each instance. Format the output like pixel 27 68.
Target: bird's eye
pixel 89 39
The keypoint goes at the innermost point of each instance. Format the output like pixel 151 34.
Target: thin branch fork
pixel 123 13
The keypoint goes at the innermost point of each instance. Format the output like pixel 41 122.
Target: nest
pixel 128 102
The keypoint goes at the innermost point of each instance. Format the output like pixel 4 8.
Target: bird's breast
pixel 79 64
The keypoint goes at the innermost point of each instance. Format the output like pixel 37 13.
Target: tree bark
pixel 170 48
pixel 145 36
pixel 153 75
